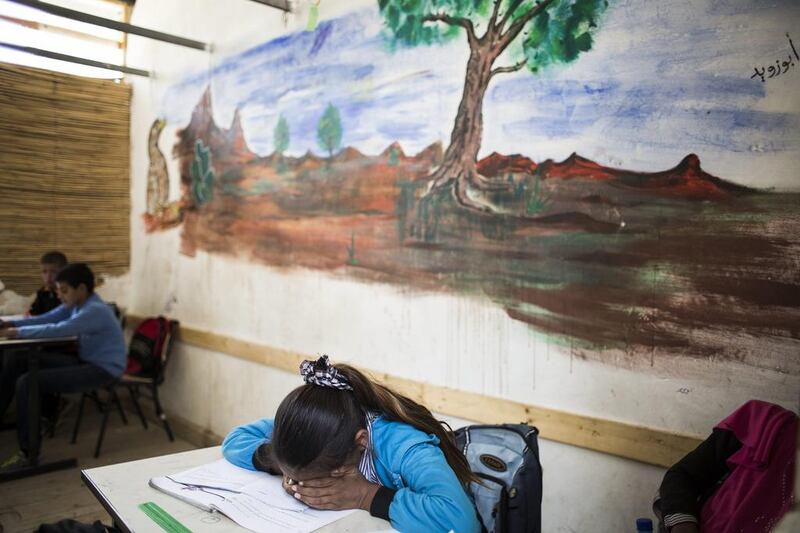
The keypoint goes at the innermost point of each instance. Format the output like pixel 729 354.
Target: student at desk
pixel 46 300
pixel 342 441
pixel 739 479
pixel 101 349
pixel 47 296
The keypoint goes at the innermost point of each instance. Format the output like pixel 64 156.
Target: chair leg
pixel 161 415
pixel 78 419
pixel 113 392
pixel 106 408
pixel 97 401
pixel 133 391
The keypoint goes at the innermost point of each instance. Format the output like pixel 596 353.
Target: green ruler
pixel 163 518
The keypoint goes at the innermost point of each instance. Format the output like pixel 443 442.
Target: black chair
pixel 104 405
pixel 135 386
pixel 118 313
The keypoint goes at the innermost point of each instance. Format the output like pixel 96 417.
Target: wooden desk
pixel 122 487
pixel 35 346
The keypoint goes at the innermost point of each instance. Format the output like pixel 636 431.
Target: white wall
pixel 111 289
pixel 456 341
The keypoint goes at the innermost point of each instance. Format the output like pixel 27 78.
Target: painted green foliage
pixel 281 135
pixel 558 34
pixel 329 130
pixel 351 250
pixel 534 200
pixel 561 34
pixel 313 17
pixel 202 174
pixel 405 19
pixel 394 157
pixel 281 141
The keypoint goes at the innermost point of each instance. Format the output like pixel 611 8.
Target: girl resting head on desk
pixel 343 441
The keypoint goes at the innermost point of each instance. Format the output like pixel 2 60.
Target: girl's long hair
pixel 317 424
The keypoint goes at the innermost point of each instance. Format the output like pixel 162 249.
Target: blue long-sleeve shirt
pixel 100 338
pixel 429 496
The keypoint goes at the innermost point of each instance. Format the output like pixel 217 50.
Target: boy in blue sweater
pixel 101 350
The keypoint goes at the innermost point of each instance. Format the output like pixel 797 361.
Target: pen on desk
pixel 195 485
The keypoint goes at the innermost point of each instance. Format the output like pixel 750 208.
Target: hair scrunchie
pixel 323 374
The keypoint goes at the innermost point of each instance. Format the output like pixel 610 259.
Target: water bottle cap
pixel 644 524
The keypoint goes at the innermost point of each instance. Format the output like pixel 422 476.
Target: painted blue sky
pixel 664 79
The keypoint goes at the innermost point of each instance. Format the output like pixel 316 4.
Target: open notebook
pixel 253 500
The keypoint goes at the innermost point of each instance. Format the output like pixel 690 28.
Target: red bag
pixel 145 354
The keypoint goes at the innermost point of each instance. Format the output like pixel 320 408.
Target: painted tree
pixel 281 136
pixel 281 141
pixel 329 130
pixel 532 34
pixel 202 174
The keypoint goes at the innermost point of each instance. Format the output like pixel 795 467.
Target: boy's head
pixel 51 263
pixel 75 283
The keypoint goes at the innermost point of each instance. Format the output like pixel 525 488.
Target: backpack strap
pixel 501 519
pixel 170 327
pixel 466 441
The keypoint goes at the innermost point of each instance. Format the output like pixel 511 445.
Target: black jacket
pixel 692 480
pixel 46 300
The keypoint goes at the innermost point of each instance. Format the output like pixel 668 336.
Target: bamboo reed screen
pixel 64 172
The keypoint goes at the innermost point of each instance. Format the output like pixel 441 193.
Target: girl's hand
pixel 288 483
pixel 344 489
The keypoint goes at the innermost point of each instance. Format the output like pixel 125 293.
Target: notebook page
pixel 258 501
pixel 219 474
pixel 202 499
pixel 257 516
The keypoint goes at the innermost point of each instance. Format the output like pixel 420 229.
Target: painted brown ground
pixel 603 260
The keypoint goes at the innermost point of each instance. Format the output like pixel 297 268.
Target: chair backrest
pixel 118 313
pixel 166 351
pixel 150 347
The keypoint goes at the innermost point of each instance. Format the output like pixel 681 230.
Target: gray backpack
pixel 506 458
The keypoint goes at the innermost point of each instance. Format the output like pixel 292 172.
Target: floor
pixel 47 498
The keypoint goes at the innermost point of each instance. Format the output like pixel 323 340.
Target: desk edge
pixel 107 505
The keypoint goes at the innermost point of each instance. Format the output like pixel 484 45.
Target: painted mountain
pixel 610 262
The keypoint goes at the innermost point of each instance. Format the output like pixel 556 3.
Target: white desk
pixel 122 487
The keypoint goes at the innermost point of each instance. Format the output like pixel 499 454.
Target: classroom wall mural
pixel 621 176
pixel 160 212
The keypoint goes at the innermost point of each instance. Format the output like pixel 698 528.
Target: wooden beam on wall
pixel 647 445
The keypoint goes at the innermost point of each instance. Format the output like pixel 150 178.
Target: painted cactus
pixel 202 174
